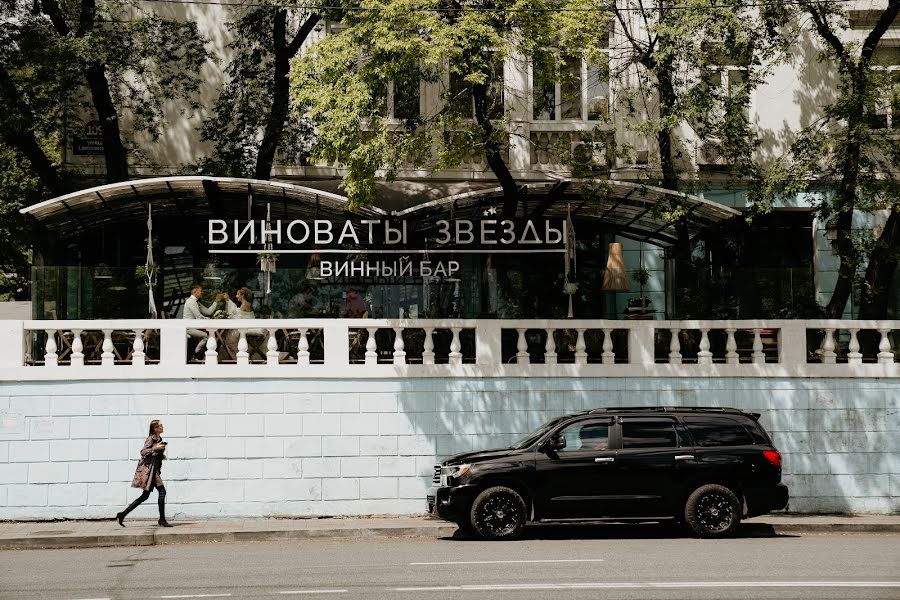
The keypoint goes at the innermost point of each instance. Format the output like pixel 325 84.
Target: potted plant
pixel 640 276
pixel 266 261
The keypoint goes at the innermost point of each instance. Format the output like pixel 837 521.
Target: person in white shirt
pixel 193 309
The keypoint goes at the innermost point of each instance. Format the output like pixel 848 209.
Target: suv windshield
pixel 536 434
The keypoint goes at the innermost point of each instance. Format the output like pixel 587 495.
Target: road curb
pixel 761 529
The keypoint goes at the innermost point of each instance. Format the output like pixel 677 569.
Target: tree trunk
pixel 493 151
pixel 880 270
pixel 113 149
pixel 279 112
pixel 670 181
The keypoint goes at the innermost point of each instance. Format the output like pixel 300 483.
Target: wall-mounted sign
pixel 90 142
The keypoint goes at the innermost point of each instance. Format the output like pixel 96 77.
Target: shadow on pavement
pixel 608 531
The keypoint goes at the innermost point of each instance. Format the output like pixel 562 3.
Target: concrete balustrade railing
pixel 364 348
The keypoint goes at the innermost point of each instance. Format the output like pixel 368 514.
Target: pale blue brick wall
pixel 269 447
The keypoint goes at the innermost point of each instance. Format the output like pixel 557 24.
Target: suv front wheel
pixel 498 513
pixel 712 511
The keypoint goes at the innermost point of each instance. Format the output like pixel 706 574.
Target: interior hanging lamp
pixel 614 277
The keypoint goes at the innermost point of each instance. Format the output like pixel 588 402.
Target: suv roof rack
pixel 718 409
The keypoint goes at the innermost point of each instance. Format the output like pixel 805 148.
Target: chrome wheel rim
pixel 715 512
pixel 500 514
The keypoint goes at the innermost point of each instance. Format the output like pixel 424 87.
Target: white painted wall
pixel 328 447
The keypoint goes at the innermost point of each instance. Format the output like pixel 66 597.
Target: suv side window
pixel 586 436
pixel 649 434
pixel 712 432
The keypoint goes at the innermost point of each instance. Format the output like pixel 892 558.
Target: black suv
pixel 706 467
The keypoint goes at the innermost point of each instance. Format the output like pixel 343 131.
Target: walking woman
pixel 146 476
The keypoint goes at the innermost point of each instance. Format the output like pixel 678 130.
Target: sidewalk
pixel 139 532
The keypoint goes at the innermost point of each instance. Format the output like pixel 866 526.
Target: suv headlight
pixel 457 471
pixel 452 474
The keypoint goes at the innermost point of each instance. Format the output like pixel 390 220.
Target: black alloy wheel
pixel 498 513
pixel 713 511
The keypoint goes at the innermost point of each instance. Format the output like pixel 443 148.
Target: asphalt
pixel 138 532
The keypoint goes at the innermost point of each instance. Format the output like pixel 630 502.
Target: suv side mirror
pixel 557 442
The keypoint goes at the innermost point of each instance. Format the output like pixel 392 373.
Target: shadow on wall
pixel 838 437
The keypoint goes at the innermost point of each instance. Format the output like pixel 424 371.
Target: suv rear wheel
pixel 712 511
pixel 498 513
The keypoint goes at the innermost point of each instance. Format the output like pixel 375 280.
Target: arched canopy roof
pixel 630 209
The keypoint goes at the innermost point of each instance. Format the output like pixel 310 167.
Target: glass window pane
pixel 495 86
pixel 649 434
pixel 586 435
pixel 544 92
pixel 717 432
pixel 570 89
pixel 597 93
pixel 406 99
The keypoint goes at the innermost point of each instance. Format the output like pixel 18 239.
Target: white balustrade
pixel 73 348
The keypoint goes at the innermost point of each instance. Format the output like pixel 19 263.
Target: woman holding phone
pixel 147 474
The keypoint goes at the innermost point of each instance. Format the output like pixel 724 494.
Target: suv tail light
pixel 774 457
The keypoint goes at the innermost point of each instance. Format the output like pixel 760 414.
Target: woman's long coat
pixel 149 465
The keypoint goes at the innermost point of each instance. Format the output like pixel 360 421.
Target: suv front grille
pixel 436 478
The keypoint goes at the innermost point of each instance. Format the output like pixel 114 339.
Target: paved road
pixel 551 564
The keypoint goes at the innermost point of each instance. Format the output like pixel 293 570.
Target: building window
pixel 575 91
pixel 459 98
pixel 884 111
pixel 403 99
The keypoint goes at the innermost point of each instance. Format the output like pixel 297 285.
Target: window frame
pixel 585 67
pixel 889 125
pixel 681 440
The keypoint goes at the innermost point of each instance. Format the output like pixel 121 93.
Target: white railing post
pixel 704 356
pixel 608 356
pixel 581 355
pixel 212 352
pixel 675 347
pixel 51 359
pixel 759 357
pixel 173 343
pixel 77 349
pixel 522 357
pixel 336 335
pixel 885 356
pixel 829 356
pixel 428 347
pixel 854 356
pixel 272 347
pixel 488 343
pixel 107 359
pixel 16 347
pixel 399 353
pixel 371 347
pixel 243 357
pixel 303 348
pixel 455 357
pixel 550 348
pixel 792 343
pixel 138 358
pixel 731 355
pixel 642 343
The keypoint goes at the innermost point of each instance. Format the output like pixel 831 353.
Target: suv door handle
pixel 606 459
pixel 684 457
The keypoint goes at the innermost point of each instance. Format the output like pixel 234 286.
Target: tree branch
pixel 824 30
pixel 51 9
pixel 86 20
pixel 302 34
pixel 884 22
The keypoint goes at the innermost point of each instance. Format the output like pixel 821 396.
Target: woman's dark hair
pixel 153 425
pixel 247 293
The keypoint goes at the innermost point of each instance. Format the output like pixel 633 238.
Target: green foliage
pixel 18 188
pixel 342 82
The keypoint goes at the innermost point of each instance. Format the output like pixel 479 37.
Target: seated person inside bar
pixel 355 305
pixel 193 309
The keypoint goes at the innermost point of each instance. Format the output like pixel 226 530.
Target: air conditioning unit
pixel 711 153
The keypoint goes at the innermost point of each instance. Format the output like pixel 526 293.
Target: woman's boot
pixel 120 517
pixel 161 490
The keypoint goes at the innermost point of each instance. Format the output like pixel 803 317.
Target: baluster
pixel 580 347
pixel 455 357
pixel 731 355
pixel 51 359
pixel 138 358
pixel 828 354
pixel 675 348
pixel 885 356
pixel 303 348
pixel 243 357
pixel 212 352
pixel 371 347
pixel 399 353
pixel 522 356
pixel 272 348
pixel 107 358
pixel 759 357
pixel 608 356
pixel 77 349
pixel 854 356
pixel 550 348
pixel 428 348
pixel 704 357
